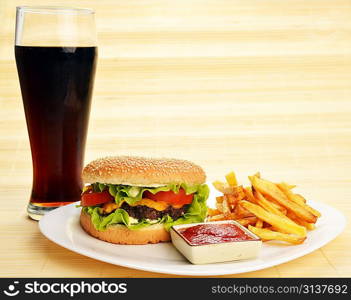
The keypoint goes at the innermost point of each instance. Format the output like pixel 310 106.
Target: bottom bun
pixel 120 234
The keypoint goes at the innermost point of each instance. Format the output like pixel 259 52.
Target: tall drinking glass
pixel 56 53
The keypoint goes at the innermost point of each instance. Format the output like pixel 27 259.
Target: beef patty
pixel 145 212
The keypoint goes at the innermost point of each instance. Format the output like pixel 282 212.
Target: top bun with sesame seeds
pixel 141 171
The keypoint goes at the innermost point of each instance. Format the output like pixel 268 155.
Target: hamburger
pixel 135 200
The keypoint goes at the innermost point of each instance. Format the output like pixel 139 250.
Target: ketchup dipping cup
pixel 211 242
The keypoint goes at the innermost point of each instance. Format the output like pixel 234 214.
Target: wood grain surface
pixel 238 85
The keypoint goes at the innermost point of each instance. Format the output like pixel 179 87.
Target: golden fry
pixel 219 199
pixel 277 205
pixel 267 205
pixel 231 216
pixel 267 234
pixel 225 206
pixel 308 226
pixel 270 189
pixel 249 195
pixel 247 221
pixel 223 187
pixel 242 212
pixel 284 188
pixel 219 217
pixel 284 225
pixel 238 193
pixel 212 212
pixel 259 223
pixel 289 186
pixel 219 185
pixel 231 199
pixel 231 179
pixel 258 174
pixel 298 199
pixel 219 206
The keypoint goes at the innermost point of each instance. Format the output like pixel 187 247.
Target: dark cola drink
pixel 56 85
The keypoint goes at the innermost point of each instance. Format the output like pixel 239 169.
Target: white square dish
pixel 215 252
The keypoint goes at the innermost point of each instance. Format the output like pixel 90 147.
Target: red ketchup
pixel 214 234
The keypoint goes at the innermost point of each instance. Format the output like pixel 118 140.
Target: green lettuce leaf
pixel 119 216
pixel 133 194
pixel 196 212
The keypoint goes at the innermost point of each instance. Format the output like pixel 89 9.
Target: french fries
pixel 219 206
pixel 282 224
pixel 308 226
pixel 241 212
pixel 247 221
pixel 289 186
pixel 223 187
pixel 297 196
pixel 267 235
pixel 213 212
pixel 249 195
pixel 270 189
pixel 259 223
pixel 267 205
pixel 225 206
pixel 231 179
pixel 298 199
pixel 270 210
pixel 219 217
pixel 219 199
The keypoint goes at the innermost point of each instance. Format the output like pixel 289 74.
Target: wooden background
pixel 238 85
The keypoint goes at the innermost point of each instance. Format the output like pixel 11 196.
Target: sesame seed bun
pixel 120 234
pixel 141 171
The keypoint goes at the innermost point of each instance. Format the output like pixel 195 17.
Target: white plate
pixel 62 227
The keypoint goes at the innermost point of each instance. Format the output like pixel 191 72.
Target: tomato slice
pixel 90 198
pixel 170 197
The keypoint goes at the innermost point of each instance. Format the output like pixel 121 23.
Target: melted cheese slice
pixel 158 205
pixel 109 207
